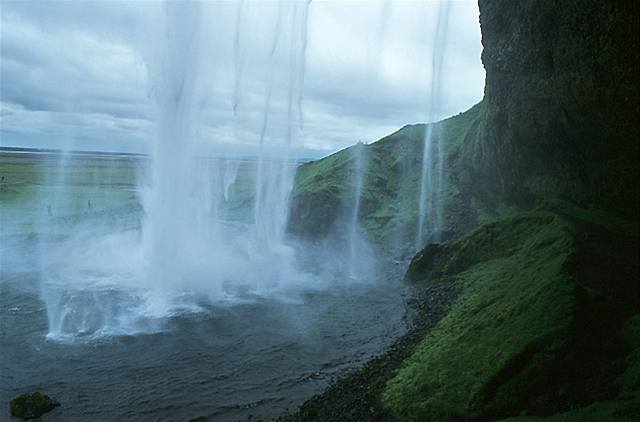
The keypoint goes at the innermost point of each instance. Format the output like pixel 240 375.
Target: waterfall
pixel 274 174
pixel 359 172
pixel 183 238
pixel 430 212
pixel 169 203
pixel 195 244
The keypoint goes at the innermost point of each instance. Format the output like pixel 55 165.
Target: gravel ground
pixel 354 396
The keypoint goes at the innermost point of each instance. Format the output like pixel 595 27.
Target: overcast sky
pixel 80 74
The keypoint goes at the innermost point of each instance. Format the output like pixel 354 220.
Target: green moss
pixel 537 329
pixel 515 302
pixel 612 222
pixel 495 239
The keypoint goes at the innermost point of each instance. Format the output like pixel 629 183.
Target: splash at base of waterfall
pixel 98 284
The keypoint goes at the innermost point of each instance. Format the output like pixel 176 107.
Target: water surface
pixel 226 362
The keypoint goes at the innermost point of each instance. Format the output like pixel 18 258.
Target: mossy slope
pixel 324 189
pixel 538 329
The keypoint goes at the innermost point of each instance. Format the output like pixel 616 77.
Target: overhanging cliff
pixel 561 103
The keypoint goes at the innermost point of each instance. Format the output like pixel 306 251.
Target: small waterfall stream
pixel 355 241
pixel 430 213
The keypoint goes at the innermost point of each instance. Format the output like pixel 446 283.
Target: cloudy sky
pixel 92 75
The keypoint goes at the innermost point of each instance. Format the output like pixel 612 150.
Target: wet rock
pixel 32 406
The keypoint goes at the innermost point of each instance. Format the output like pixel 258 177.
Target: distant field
pixel 38 191
pixel 53 168
pixel 48 191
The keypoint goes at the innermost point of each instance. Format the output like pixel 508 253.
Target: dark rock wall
pixel 561 102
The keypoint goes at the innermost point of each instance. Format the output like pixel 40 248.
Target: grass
pixel 532 332
pixel 53 169
pixel 626 407
pixel 41 190
pixel 497 320
pixel 324 190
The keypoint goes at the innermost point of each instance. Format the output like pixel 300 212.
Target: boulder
pixel 32 406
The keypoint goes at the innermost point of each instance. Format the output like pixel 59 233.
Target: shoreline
pixel 354 395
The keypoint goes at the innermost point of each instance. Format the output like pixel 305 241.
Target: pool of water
pixel 258 357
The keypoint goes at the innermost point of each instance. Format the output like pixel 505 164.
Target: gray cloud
pixel 74 74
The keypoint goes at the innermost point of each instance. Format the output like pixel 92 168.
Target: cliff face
pixel 561 103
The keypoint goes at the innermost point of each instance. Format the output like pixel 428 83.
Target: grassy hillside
pixel 324 190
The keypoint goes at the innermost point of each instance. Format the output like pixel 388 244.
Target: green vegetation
pixel 324 189
pixel 52 188
pixel 54 168
pixel 497 319
pixel 540 327
pixel 50 193
pixel 626 407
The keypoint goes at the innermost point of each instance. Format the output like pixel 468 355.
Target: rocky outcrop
pixel 32 406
